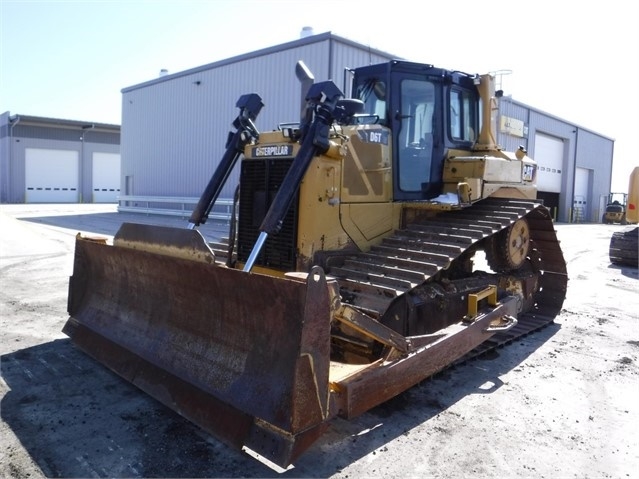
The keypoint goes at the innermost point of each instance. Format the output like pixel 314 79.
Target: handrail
pixel 165 205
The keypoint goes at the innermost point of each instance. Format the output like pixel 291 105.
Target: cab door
pixel 416 119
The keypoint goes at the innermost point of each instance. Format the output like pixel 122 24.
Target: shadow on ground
pixel 628 271
pixel 108 223
pixel 77 419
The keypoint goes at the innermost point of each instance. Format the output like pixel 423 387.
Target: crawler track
pixel 623 247
pixel 418 253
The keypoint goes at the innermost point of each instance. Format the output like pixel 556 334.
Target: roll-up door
pixel 580 200
pixel 51 176
pixel 549 155
pixel 106 177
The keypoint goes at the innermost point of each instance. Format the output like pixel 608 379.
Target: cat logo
pixel 273 150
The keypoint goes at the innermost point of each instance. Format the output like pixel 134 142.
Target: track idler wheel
pixel 508 249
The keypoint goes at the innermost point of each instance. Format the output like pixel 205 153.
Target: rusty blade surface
pixel 245 356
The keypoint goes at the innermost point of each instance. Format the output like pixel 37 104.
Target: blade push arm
pixel 246 132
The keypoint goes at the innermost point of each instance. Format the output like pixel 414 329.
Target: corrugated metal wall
pixel 510 109
pixel 594 153
pixel 345 55
pixel 174 128
pixel 5 157
pixel 64 134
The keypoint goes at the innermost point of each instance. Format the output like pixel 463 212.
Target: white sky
pixel 575 60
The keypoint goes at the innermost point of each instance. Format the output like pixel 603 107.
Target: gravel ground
pixel 561 402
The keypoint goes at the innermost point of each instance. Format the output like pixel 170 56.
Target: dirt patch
pixel 561 402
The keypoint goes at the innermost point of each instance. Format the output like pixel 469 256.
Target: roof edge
pixel 59 122
pixel 300 42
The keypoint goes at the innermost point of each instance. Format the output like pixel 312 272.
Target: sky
pixel 576 60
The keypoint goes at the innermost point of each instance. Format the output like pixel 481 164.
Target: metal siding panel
pixel 64 134
pixel 512 110
pixel 155 122
pixel 592 148
pixel 31 131
pixel 595 153
pixel 349 56
pixel 174 132
pixel 5 154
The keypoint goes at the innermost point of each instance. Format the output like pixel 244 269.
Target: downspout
pixel 330 57
pixel 85 130
pixel 574 177
pixel 13 123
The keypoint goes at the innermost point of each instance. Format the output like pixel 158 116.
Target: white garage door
pixel 549 155
pixel 580 200
pixel 106 177
pixel 582 179
pixel 51 176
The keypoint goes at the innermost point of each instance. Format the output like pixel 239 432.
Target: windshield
pixel 373 94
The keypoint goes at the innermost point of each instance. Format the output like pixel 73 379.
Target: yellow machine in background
pixel 624 245
pixel 349 271
pixel 615 209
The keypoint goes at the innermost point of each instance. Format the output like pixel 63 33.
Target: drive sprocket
pixel 508 250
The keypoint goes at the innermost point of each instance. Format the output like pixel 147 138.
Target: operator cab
pixel 428 110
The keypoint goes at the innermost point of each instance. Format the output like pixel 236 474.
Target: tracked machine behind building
pixel 350 272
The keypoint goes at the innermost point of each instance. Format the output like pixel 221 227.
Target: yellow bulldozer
pixel 378 241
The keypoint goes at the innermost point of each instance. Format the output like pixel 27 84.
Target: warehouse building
pixel 174 127
pixel 47 160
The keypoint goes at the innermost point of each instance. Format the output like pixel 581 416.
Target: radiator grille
pixel 259 183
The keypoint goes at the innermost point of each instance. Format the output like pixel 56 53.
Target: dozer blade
pixel 244 356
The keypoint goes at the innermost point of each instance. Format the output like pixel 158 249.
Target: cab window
pixel 462 116
pixel 373 94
